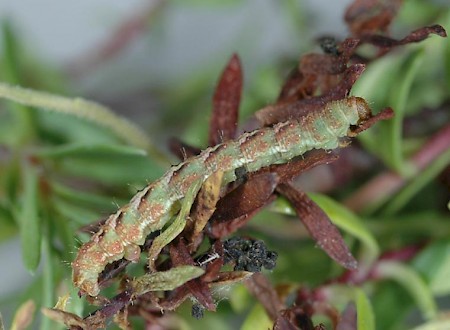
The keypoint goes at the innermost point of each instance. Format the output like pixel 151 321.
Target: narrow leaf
pixel 433 263
pixel 412 282
pixel 399 97
pixel 319 226
pixel 247 197
pixel 260 287
pixel 88 151
pixel 179 255
pixel 295 109
pixel 364 313
pixel 350 223
pixel 417 183
pixel 226 103
pixel 87 110
pixel 165 281
pixel 30 222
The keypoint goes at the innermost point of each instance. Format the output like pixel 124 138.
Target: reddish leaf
pixel 293 318
pixel 213 268
pixel 199 289
pixel 319 226
pixel 175 298
pixel 348 318
pixel 314 64
pixel 415 36
pixel 226 103
pixel 289 171
pixel 384 114
pixel 246 197
pixel 287 110
pixel 293 87
pixel 227 278
pixel 368 16
pixel 262 289
pixel 226 228
pixel 235 208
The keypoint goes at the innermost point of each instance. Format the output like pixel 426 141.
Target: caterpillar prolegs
pixel 151 208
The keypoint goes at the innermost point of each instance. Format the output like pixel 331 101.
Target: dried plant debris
pixel 371 16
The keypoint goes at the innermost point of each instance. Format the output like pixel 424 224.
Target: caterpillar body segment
pixel 151 208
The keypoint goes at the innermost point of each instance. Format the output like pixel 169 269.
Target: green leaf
pixel 87 110
pixel 11 54
pixel 434 264
pixel 364 312
pixel 374 85
pixel 350 223
pixel 88 151
pixel 7 225
pixel 257 319
pixel 412 282
pixel 165 281
pixel 48 282
pixel 434 325
pixel 86 199
pixel 398 99
pixel 30 222
pixel 417 183
pixel 121 171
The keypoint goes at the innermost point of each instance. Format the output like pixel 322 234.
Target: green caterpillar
pixel 150 209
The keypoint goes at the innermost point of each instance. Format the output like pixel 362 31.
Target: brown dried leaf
pixel 293 87
pixel 246 197
pixel 213 268
pixel 319 226
pixel 99 317
pixel 415 36
pixel 226 103
pixel 199 289
pixel 326 64
pixel 68 319
pixel 289 171
pixel 294 318
pixel 203 209
pixel 295 109
pixel 368 16
pixel 227 278
pixel 384 114
pixel 222 229
pixel 236 208
pixel 262 289
pixel 322 64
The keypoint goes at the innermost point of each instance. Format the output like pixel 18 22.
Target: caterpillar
pixel 151 208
